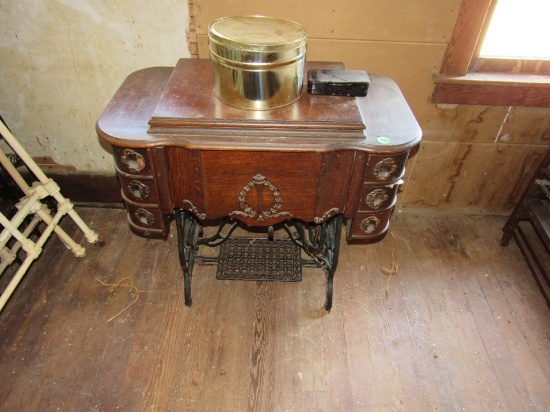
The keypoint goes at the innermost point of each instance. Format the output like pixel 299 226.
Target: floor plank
pixel 462 325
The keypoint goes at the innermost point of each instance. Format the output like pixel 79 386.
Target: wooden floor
pixel 462 326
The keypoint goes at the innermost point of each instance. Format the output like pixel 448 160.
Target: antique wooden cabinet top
pixel 176 106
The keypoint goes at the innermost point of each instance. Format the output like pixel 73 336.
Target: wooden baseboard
pixel 88 188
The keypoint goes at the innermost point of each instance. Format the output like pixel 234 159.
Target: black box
pixel 338 82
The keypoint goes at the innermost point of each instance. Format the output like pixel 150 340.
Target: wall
pixel 62 60
pixel 473 159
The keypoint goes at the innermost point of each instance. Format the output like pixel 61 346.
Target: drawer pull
pixel 376 198
pixel 139 190
pixel 144 217
pixel 369 224
pixel 384 169
pixel 133 160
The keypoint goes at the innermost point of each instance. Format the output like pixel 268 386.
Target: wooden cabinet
pixel 176 146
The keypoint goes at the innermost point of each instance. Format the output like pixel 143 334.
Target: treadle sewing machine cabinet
pixel 304 168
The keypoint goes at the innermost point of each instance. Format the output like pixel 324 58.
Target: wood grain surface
pixel 461 326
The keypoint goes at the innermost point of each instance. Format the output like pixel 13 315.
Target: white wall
pixel 62 60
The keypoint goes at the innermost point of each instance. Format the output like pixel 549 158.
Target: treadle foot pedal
pixel 259 259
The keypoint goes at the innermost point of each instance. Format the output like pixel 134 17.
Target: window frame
pixel 467 79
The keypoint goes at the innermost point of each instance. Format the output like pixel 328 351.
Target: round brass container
pixel 257 61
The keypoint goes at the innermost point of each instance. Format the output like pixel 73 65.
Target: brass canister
pixel 257 61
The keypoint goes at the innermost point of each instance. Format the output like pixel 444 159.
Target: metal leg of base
pixel 189 232
pixel 333 251
pixel 190 237
pixel 322 243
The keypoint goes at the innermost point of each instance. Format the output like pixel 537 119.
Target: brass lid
pixel 257 33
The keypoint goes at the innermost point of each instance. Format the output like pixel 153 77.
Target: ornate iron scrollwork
pixel 322 243
pixel 258 183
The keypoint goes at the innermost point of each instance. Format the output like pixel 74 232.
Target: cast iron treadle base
pixel 259 259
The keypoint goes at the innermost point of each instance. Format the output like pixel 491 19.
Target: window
pixel 469 77
pixel 518 30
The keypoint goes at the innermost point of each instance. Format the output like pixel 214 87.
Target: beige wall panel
pixel 428 185
pixel 409 168
pixel 472 124
pixel 526 125
pixel 470 178
pixel 203 46
pixel 61 62
pixel 393 20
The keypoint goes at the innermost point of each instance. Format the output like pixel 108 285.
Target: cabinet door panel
pixel 261 188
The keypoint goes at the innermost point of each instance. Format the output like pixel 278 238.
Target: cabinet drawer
pixel 133 161
pixel 377 197
pixel 385 168
pixel 144 217
pixel 139 190
pixel 146 220
pixel 366 225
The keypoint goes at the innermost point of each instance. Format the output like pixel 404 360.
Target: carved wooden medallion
pixel 257 202
pixel 326 215
pixel 194 209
